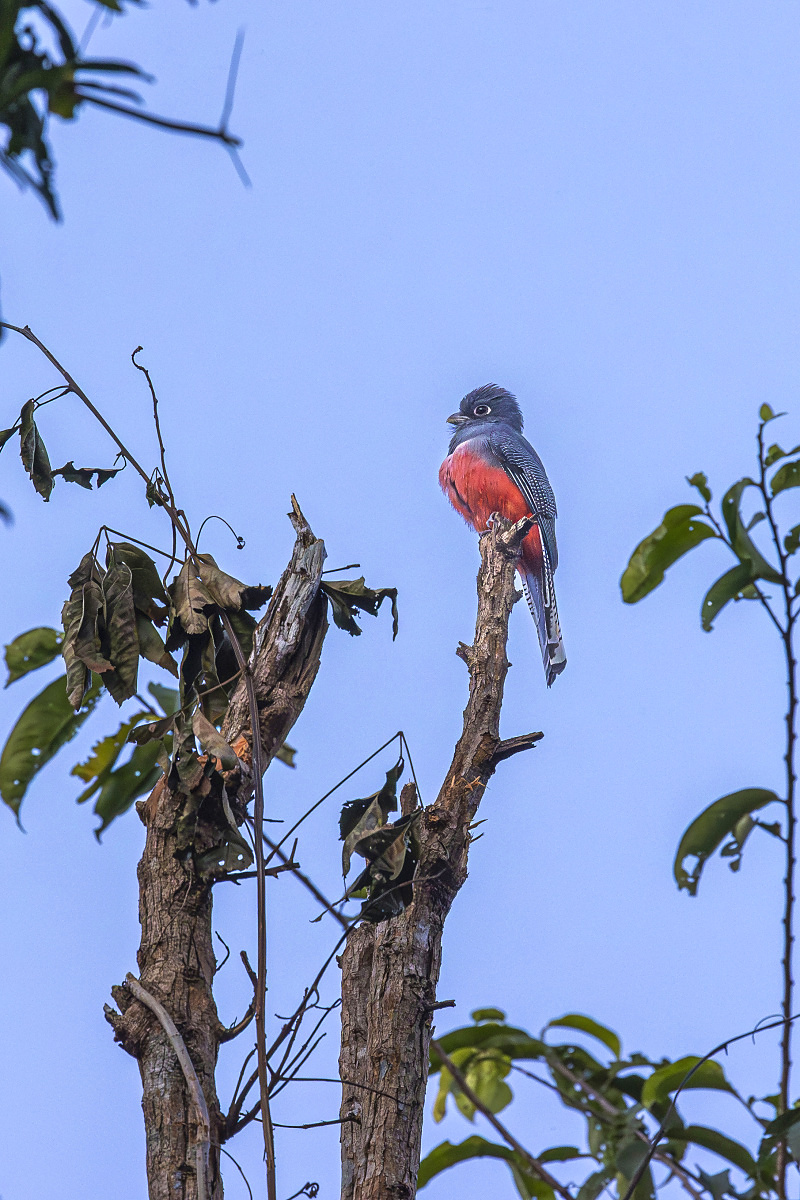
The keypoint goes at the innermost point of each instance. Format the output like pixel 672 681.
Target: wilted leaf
pixel 667 1079
pixel 192 600
pixel 590 1026
pixel 700 481
pixel 213 742
pixel 5 434
pixel 349 595
pixel 120 623
pixel 81 617
pixel 134 778
pixel 362 816
pixel 679 532
pixel 728 587
pixel 743 546
pixel 244 627
pixel 151 645
pixel 148 590
pixel 44 726
pixel 150 731
pixel 83 475
pixel 787 476
pixel 707 831
pixel 32 650
pixel 33 452
pixel 233 854
pixel 228 592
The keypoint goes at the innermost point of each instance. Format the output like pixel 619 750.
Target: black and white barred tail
pixel 541 596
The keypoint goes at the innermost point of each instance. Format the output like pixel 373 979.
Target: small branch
pixel 319 1124
pixel 304 879
pixel 538 1168
pixel 190 1075
pixel 439 1004
pixel 207 131
pixel 509 746
pixel 227 1035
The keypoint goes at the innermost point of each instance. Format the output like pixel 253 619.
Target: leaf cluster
pixel 35 458
pixel 44 74
pixel 621 1099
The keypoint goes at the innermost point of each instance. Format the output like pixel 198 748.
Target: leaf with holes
pixel 43 727
pixel 787 476
pixel 33 452
pixel 32 650
pixel 347 596
pixel 707 831
pixel 83 475
pixel 679 532
pixel 362 816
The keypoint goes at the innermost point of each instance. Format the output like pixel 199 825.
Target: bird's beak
pixel 457 419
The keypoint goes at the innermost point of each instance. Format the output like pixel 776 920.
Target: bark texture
pixel 176 957
pixel 390 971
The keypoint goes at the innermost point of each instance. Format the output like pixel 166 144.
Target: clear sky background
pixel 595 205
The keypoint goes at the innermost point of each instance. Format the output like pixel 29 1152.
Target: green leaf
pixel 720 1143
pixel 103 757
pixel 756 519
pixel 244 627
pixel 785 1127
pixel 359 817
pixel 149 595
pixel 32 650
pixel 787 476
pixel 560 1154
pixel 44 726
pixel 792 540
pixel 700 481
pixel 679 532
pixel 286 754
pixel 151 730
pixel 590 1026
pixel 349 595
pixel 743 547
pixel 766 413
pixel 728 587
pixel 447 1155
pixel 33 452
pixel 516 1043
pixel 120 623
pixel 707 831
pixel 228 592
pixel 488 1014
pixel 667 1079
pixel 134 778
pixel 151 645
pixel 5 434
pixel 717 1185
pixel 168 698
pixel 593 1185
pixel 774 453
pixel 213 742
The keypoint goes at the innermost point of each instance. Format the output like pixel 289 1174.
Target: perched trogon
pixel 492 468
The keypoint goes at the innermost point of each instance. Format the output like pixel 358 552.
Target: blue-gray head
pixel 485 406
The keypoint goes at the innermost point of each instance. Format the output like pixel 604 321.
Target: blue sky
pixel 595 206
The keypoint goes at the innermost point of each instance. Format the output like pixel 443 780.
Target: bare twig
pixel 192 1082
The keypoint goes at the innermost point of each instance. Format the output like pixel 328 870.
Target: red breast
pixel 476 488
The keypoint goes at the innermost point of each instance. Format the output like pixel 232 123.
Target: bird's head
pixel 486 404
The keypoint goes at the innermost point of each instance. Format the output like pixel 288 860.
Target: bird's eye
pixel 482 410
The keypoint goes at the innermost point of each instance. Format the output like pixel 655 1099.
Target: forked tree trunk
pixel 390 970
pixel 176 957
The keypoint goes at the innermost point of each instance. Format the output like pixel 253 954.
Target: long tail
pixel 541 596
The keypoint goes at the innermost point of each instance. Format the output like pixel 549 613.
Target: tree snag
pixel 176 958
pixel 390 970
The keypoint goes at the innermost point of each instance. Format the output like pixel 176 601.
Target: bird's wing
pixel 525 469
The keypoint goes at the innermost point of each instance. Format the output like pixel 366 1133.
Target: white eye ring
pixel 482 410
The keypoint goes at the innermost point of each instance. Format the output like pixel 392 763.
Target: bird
pixel 491 468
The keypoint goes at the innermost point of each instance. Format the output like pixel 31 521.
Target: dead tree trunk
pixel 390 970
pixel 176 957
